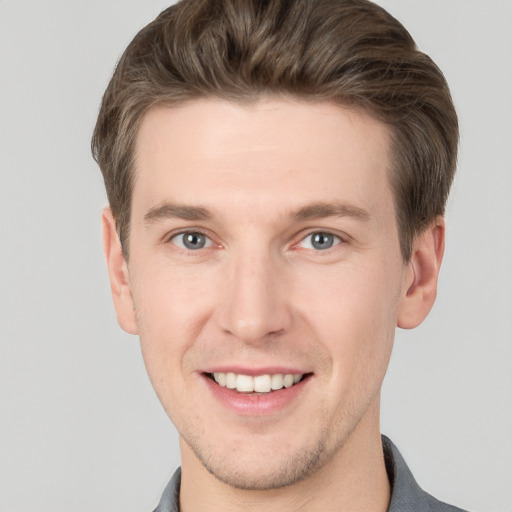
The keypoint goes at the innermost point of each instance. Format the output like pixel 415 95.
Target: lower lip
pixel 252 404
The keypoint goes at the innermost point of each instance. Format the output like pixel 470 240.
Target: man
pixel 277 173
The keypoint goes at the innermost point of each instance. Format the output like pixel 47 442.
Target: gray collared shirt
pixel 406 494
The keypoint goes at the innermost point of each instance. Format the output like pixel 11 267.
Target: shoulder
pixel 171 496
pixel 406 494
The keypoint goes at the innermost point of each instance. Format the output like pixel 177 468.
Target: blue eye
pixel 320 241
pixel 191 240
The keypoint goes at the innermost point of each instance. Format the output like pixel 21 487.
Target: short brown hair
pixel 350 52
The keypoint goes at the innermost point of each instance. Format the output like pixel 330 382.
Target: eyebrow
pixel 308 212
pixel 321 210
pixel 176 211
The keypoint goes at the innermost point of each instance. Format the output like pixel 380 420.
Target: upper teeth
pixel 259 384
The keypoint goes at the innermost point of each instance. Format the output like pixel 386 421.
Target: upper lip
pixel 253 372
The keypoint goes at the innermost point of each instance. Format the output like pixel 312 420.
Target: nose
pixel 255 305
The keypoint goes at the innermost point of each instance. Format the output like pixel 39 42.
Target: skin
pixel 259 294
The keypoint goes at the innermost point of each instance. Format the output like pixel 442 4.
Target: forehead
pixel 273 152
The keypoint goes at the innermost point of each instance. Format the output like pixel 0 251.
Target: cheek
pixel 353 314
pixel 170 302
pixel 171 311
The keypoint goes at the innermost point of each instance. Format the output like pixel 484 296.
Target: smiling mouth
pixel 260 384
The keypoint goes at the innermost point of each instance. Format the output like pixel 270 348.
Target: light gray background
pixel 80 427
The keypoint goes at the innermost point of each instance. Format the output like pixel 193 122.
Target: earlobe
pixel 118 274
pixel 420 279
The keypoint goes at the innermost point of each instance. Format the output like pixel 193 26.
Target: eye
pixel 191 240
pixel 319 241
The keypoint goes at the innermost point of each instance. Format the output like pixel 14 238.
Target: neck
pixel 354 480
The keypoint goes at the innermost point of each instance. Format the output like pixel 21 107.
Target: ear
pixel 118 274
pixel 420 279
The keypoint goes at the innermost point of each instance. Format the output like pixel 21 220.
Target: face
pixel 266 279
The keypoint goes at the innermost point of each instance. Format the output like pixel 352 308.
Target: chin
pixel 285 474
pixel 260 471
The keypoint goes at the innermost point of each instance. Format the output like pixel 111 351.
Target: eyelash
pixel 336 240
pixel 196 233
pixel 208 242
